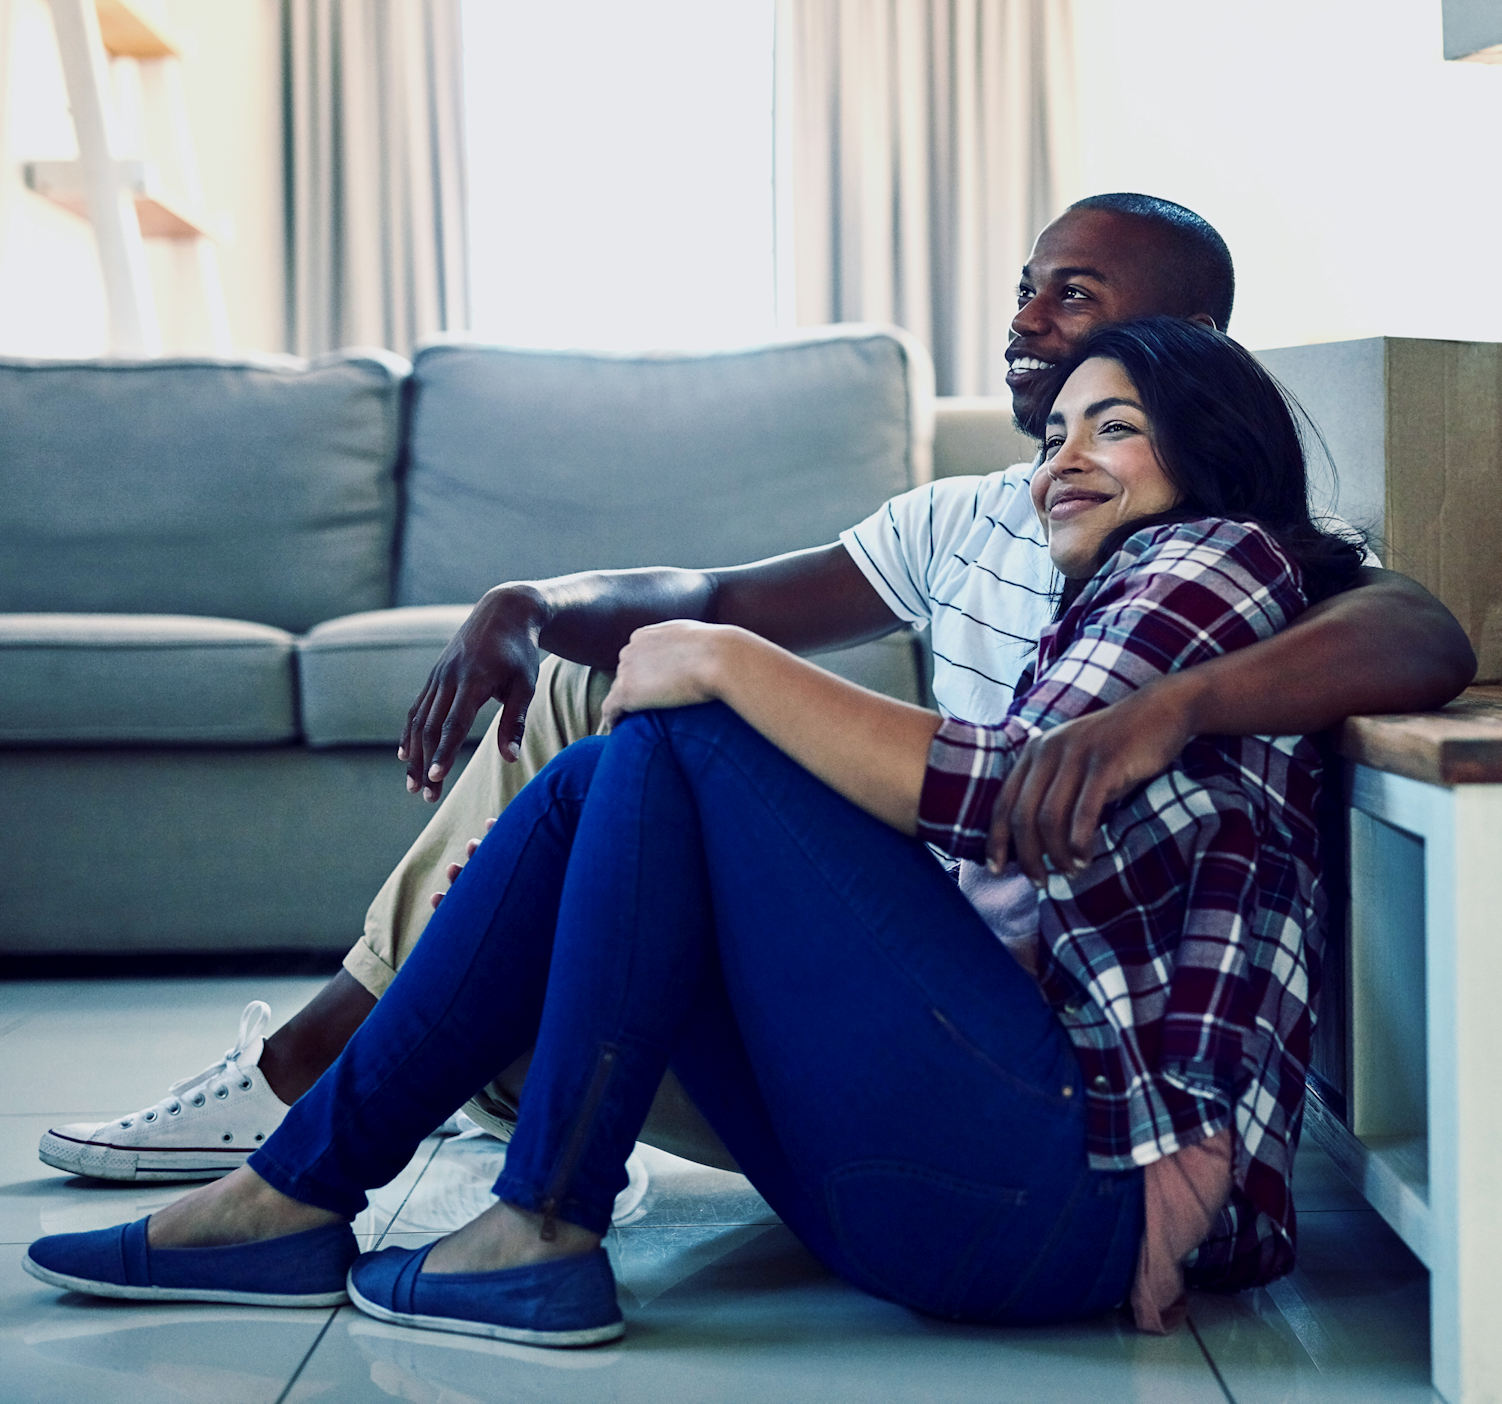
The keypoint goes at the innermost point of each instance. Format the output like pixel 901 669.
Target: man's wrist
pixel 520 605
pixel 1189 698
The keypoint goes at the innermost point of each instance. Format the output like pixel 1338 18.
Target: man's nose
pixel 1031 319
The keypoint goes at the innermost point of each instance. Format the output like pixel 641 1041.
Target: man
pixel 925 558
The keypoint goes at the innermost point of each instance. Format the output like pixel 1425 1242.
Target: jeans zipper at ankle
pixel 583 1124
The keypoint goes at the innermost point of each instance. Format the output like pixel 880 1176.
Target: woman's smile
pixel 1100 469
pixel 1070 502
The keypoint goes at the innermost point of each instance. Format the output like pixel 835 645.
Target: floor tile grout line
pixel 307 1356
pixel 411 1189
pixel 1220 1379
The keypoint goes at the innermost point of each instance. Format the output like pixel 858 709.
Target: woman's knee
pixel 570 773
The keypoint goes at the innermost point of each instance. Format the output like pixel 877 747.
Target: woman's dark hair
pixel 1225 432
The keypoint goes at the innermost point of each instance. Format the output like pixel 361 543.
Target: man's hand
pixel 454 869
pixel 1050 807
pixel 666 665
pixel 493 654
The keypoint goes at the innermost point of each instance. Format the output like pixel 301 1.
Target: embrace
pixel 1060 1074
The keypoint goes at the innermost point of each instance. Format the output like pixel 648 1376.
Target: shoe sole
pixel 591 1335
pixel 122 1291
pixel 105 1162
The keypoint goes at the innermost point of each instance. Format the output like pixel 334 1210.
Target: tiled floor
pixel 721 1303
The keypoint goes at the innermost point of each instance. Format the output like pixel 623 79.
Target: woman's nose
pixel 1065 460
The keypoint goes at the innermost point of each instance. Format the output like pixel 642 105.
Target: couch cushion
pixel 361 674
pixel 526 463
pixel 249 489
pixel 146 678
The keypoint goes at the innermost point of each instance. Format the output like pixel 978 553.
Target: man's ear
pixel 1204 319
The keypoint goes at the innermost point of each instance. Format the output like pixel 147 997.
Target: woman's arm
pixel 871 749
pixel 1182 595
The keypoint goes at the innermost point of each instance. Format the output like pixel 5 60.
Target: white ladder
pixel 117 195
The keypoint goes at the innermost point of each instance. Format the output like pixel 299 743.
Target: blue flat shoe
pixel 565 1302
pixel 297 1270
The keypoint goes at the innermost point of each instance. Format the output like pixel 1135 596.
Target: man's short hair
pixel 1203 279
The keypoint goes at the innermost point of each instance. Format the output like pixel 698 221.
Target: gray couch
pixel 223 584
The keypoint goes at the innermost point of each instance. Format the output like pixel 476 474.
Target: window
pixel 620 171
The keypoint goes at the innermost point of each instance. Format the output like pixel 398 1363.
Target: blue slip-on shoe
pixel 565 1302
pixel 297 1270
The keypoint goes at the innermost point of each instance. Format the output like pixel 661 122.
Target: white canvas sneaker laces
pixel 202 1129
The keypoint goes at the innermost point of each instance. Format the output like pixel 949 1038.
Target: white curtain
pixel 921 145
pixel 375 199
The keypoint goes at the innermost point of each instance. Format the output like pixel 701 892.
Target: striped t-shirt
pixel 967 558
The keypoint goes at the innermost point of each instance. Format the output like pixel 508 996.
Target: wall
pixel 50 285
pixel 1352 171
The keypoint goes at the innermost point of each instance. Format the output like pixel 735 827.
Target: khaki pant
pixel 565 708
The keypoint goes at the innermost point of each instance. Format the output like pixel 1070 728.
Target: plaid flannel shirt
pixel 1184 960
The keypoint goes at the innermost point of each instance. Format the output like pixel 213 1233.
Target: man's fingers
pixel 1024 823
pixel 1095 794
pixel 508 733
pixel 1056 811
pixel 999 839
pixel 469 850
pixel 410 749
pixel 434 900
pixel 459 717
pixel 440 701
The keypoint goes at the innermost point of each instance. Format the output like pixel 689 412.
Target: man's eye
pixel 1073 294
pixel 1024 294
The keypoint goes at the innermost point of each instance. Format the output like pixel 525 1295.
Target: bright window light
pixel 620 171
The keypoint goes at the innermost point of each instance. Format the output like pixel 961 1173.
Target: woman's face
pixel 1100 469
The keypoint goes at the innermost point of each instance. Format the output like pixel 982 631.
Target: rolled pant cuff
pixel 365 966
pixel 523 1194
pixel 304 1188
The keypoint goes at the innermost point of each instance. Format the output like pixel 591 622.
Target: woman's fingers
pixel 454 869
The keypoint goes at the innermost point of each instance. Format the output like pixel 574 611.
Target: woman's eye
pixel 1052 445
pixel 1116 426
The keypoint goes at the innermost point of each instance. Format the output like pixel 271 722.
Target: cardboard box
pixel 1415 431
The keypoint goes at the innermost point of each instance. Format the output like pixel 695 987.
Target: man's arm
pixel 1387 645
pixel 804 601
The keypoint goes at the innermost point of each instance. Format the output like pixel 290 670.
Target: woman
pixel 734 889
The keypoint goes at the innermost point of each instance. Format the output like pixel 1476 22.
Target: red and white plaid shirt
pixel 1183 961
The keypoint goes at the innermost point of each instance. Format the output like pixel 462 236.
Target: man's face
pixel 1088 268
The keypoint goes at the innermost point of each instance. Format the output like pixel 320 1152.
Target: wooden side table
pixel 1422 1137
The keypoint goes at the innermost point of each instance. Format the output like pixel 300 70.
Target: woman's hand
pixel 1050 807
pixel 667 665
pixel 454 869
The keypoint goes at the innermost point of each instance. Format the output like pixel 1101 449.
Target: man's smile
pixel 1021 367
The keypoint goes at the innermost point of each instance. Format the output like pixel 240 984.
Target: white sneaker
pixel 202 1129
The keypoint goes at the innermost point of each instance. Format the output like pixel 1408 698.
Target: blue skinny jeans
pixel 682 894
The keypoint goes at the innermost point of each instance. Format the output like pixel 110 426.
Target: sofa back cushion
pixel 527 463
pixel 259 489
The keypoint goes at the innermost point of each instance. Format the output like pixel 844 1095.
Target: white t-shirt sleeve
pixel 897 545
